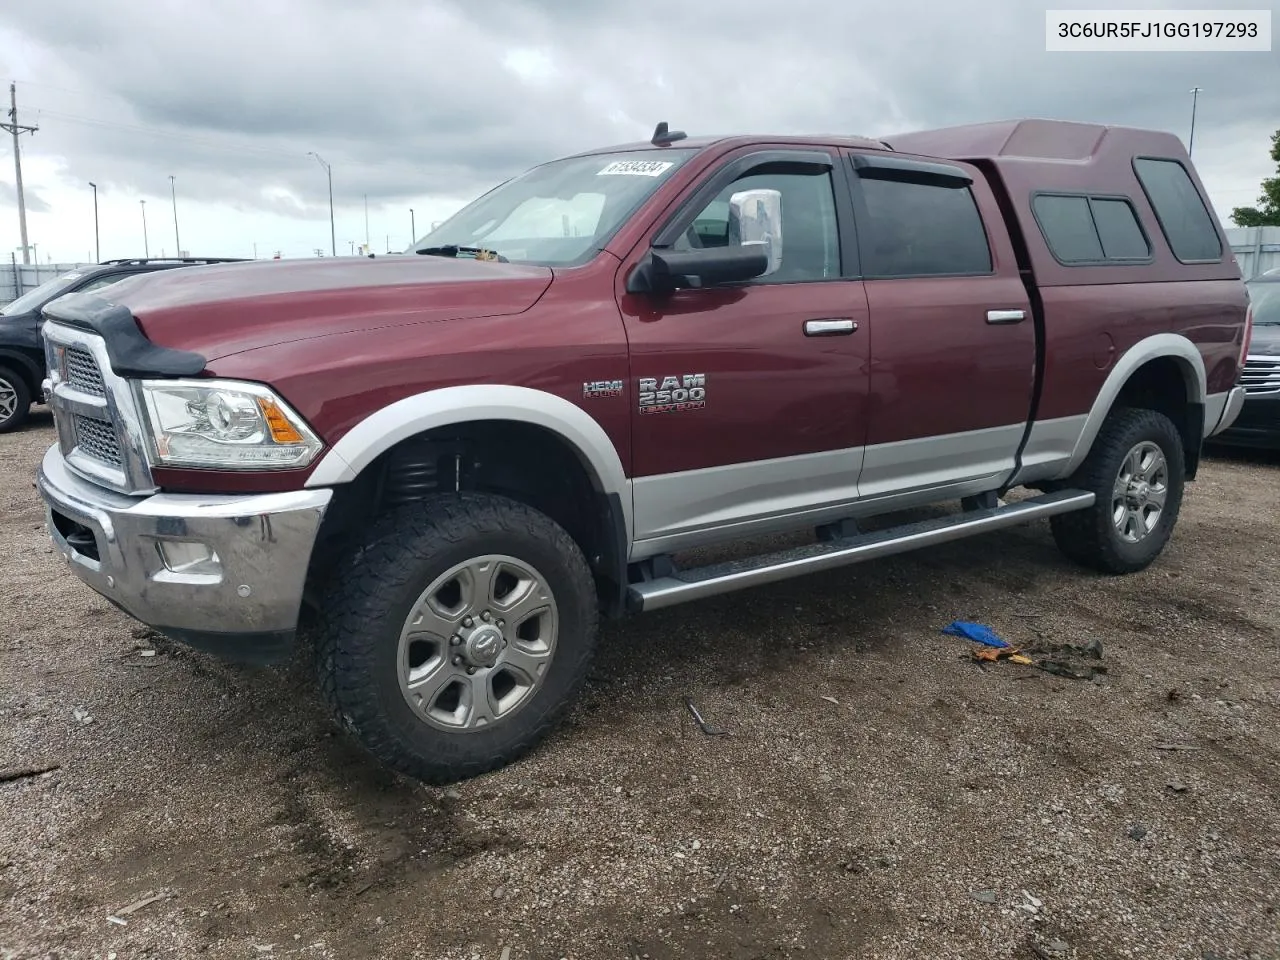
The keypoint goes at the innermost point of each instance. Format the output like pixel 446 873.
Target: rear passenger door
pixel 953 353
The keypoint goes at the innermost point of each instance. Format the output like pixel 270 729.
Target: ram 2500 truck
pixel 462 458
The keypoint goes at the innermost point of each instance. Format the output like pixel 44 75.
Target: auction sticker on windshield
pixel 636 168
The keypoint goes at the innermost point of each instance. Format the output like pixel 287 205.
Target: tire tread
pixel 358 606
pixel 1087 537
pixel 23 390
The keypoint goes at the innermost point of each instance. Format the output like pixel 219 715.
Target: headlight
pixel 223 423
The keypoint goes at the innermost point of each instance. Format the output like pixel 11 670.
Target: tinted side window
pixel 1068 228
pixel 810 237
pixel 1122 238
pixel 1090 229
pixel 1182 214
pixel 920 230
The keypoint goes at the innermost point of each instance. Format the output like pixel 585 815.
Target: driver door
pixel 751 397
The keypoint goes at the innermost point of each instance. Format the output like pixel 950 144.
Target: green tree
pixel 1268 213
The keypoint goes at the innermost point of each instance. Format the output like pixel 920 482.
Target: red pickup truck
pixel 463 457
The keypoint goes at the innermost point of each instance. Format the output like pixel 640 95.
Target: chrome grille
pixel 81 371
pixel 100 432
pixel 97 439
pixel 1261 375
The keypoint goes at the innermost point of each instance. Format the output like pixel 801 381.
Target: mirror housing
pixel 755 219
pixel 666 270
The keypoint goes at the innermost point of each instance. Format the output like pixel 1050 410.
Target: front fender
pixel 32 369
pixel 451 406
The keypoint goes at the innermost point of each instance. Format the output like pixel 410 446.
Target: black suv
pixel 22 367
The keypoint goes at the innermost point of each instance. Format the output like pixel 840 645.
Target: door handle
pixel 829 328
pixel 1006 316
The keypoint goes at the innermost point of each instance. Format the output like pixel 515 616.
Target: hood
pixel 1265 341
pixel 223 309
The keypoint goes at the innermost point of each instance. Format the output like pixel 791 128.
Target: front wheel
pixel 457 635
pixel 15 400
pixel 1137 470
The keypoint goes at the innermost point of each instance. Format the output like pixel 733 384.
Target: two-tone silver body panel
pixel 672 512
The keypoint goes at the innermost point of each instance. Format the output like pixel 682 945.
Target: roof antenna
pixel 663 137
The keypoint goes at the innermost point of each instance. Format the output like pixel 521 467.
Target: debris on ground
pixel 1075 661
pixel 991 647
pixel 1051 949
pixel 22 773
pixel 1173 746
pixel 984 896
pixel 118 916
pixel 711 730
pixel 977 632
pixel 832 700
pixel 1177 786
pixel 1137 832
pixel 82 715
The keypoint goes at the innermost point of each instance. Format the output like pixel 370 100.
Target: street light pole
pixel 97 249
pixel 333 237
pixel 146 249
pixel 413 231
pixel 1195 93
pixel 173 193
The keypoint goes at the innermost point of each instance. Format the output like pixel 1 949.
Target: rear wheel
pixel 1137 471
pixel 457 635
pixel 15 400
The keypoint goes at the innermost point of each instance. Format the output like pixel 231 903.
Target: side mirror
pixel 755 220
pixel 665 270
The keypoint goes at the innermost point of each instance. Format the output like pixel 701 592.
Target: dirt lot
pixel 880 794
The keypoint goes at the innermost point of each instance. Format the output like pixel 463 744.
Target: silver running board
pixel 700 582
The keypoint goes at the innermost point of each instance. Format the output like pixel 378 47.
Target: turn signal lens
pixel 282 431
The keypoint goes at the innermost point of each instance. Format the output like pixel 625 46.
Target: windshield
pixel 35 298
pixel 557 214
pixel 1265 297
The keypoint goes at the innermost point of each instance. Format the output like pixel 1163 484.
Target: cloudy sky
pixel 423 103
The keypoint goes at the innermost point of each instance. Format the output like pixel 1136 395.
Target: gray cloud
pixel 410 99
pixel 9 198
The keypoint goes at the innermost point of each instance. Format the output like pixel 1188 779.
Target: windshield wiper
pixel 452 250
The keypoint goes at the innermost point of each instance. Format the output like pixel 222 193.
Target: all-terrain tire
pixel 375 587
pixel 15 399
pixel 1093 537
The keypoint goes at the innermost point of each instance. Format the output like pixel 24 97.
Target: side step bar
pixel 709 581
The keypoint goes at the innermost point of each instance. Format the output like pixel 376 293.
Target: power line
pixel 161 132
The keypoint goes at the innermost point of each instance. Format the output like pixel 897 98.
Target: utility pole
pixel 1195 93
pixel 146 249
pixel 413 231
pixel 97 249
pixel 16 128
pixel 173 193
pixel 333 236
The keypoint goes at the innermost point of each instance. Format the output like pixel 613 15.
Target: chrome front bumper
pixel 224 573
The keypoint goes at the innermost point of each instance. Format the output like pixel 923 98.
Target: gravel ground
pixel 880 795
